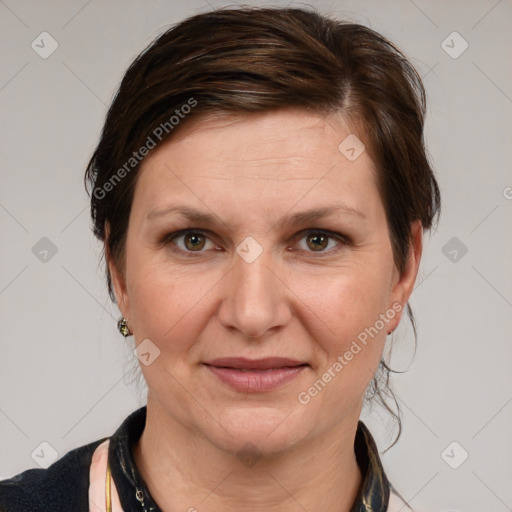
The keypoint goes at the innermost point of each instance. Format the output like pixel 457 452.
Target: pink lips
pixel 258 375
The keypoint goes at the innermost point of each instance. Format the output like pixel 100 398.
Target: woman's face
pixel 256 282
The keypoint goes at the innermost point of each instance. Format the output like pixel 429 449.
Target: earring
pixel 122 325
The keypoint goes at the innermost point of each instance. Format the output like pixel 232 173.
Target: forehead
pixel 259 160
pixel 260 140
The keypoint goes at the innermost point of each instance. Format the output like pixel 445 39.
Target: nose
pixel 256 298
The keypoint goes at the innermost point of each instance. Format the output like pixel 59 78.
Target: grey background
pixel 66 375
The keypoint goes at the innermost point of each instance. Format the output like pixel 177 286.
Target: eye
pixel 193 241
pixel 318 240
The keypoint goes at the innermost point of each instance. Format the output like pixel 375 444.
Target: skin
pixel 292 301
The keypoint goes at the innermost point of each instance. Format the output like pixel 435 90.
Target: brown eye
pixel 188 242
pixel 317 241
pixel 322 242
pixel 194 241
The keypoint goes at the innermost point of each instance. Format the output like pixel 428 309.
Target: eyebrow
pixel 304 217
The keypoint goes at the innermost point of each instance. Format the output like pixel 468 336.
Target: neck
pixel 185 471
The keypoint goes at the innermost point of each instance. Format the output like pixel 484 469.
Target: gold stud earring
pixel 122 325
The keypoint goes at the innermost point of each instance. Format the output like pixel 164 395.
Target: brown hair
pixel 246 60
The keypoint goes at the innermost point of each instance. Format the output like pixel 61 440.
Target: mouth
pixel 257 375
pixel 267 363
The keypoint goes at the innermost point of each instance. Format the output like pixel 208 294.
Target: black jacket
pixel 64 486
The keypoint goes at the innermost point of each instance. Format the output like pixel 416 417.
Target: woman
pixel 261 188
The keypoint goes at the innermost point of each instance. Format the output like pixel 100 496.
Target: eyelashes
pixel 320 236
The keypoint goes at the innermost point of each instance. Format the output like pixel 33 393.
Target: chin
pixel 263 430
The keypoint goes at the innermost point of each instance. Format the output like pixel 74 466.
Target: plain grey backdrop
pixel 66 373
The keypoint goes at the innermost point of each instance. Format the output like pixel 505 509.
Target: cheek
pixel 351 355
pixel 349 323
pixel 347 301
pixel 166 300
pixel 167 307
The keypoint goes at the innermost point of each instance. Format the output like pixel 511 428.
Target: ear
pixel 117 277
pixel 404 283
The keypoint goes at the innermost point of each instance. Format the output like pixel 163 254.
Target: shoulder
pixel 63 486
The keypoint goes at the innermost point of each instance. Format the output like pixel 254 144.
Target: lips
pixel 272 373
pixel 268 363
pixel 255 375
